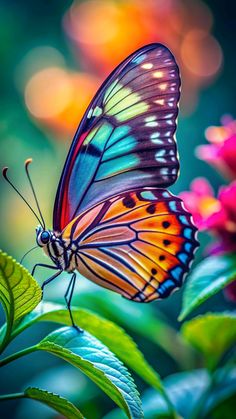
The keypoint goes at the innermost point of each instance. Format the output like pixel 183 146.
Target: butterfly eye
pixel 44 237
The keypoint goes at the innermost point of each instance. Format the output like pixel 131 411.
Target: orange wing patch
pixel 82 222
pixel 110 235
pixel 138 244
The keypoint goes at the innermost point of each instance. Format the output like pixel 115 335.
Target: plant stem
pixel 17 355
pixel 7 336
pixel 12 396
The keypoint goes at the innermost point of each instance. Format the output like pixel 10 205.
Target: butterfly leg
pixel 50 279
pixel 47 282
pixel 68 297
pixel 43 265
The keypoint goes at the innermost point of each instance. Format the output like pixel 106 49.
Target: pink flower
pixel 223 221
pixel 216 215
pixel 221 153
pixel 200 201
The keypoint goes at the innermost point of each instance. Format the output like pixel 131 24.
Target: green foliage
pixel 58 403
pixel 208 278
pixel 193 394
pixel 88 354
pixel 212 334
pixel 149 323
pixel 184 389
pixel 19 292
pixel 82 350
pixel 113 336
pixel 101 349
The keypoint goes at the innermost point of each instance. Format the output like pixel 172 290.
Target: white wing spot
pixel 163 86
pixel 155 135
pixel 90 113
pixel 150 118
pixel 160 102
pixel 157 141
pixel 164 171
pixel 147 66
pixel 150 121
pixel 151 124
pixel 160 153
pixel 97 111
pixel 158 74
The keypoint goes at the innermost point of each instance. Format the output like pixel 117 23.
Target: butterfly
pixel 114 221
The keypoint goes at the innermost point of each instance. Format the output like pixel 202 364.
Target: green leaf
pixel 58 403
pixel 209 277
pixel 88 354
pixel 19 292
pixel 212 334
pixel 147 322
pixel 184 390
pixel 113 336
pixel 187 389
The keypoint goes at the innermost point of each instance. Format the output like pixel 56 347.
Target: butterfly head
pixel 43 236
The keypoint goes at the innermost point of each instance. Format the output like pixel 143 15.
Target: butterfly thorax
pixel 61 251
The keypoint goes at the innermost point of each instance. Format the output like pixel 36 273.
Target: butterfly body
pixel 137 243
pixel 113 219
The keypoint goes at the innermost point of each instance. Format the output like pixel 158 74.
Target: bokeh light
pixel 35 60
pixel 57 98
pixel 101 35
pixel 201 53
pixel 55 55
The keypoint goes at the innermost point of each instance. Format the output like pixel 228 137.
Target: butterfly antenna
pixel 29 251
pixel 4 173
pixel 27 163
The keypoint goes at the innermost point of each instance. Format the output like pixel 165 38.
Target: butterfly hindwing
pixel 139 244
pixel 126 138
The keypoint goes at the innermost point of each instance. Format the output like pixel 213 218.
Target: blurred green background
pixel 54 55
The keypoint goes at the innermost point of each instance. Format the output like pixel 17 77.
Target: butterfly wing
pixel 126 137
pixel 139 244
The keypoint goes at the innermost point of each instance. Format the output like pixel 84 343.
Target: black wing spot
pixel 166 224
pixel 162 257
pixel 129 202
pixel 154 271
pixel 151 209
pixel 92 150
pixel 166 242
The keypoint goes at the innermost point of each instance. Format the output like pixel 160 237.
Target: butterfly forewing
pixel 126 138
pixel 139 244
